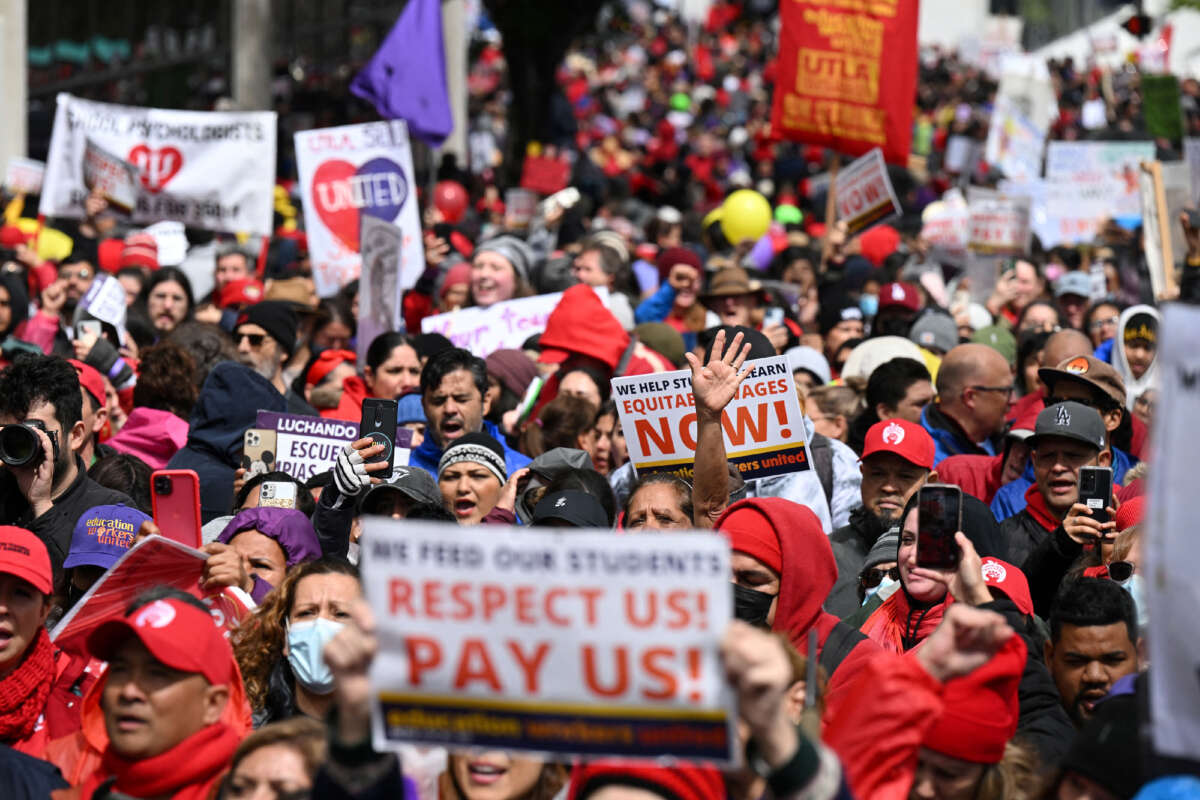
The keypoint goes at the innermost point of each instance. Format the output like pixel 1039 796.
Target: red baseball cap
pixel 904 295
pixel 1010 580
pixel 90 379
pixel 906 439
pixel 242 292
pixel 176 633
pixel 24 555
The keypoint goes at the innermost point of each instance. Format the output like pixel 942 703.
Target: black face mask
pixel 751 606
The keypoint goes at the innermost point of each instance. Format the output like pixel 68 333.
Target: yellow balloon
pixel 746 214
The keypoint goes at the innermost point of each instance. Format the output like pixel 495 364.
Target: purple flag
pixel 406 79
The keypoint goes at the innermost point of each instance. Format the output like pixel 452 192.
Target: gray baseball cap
pixel 1076 283
pixel 1070 420
pixel 413 482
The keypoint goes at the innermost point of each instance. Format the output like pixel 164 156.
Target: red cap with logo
pixel 1006 578
pixel 906 439
pixel 90 379
pixel 899 295
pixel 242 292
pixel 24 555
pixel 176 633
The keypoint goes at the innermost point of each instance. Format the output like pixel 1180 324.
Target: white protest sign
pixel 307 446
pixel 1014 143
pixel 1107 170
pixel 24 175
pixel 998 224
pixel 348 173
pixel 763 425
pixel 105 301
pixel 206 169
pixel 864 194
pixel 944 227
pixel 172 242
pixel 1171 559
pixel 1062 212
pixel 497 327
pixel 380 295
pixel 958 152
pixel 110 176
pixel 564 642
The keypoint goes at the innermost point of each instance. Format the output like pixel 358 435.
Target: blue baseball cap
pixel 103 534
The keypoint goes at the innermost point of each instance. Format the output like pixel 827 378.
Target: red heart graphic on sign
pixel 156 167
pixel 335 206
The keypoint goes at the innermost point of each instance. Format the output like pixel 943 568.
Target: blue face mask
pixel 885 584
pixel 869 304
pixel 306 644
pixel 1137 590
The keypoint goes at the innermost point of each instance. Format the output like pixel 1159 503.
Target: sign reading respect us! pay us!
pixel 563 642
pixel 763 425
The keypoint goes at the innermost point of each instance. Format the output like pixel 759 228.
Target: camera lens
pixel 162 485
pixel 19 446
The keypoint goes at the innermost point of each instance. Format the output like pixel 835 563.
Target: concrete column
pixel 13 81
pixel 454 39
pixel 252 54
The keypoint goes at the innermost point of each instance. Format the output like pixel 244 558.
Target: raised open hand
pixel 715 384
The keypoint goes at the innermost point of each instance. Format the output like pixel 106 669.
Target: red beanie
pixel 878 243
pixel 1131 513
pixel 981 709
pixel 108 255
pixel 327 362
pixel 751 532
pixel 684 781
pixel 677 255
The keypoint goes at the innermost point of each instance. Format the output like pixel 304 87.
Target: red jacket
pixel 978 476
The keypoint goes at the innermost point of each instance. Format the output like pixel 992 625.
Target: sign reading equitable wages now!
pixel 764 426
pixel 559 642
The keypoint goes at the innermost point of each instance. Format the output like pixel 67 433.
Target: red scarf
pixel 898 627
pixel 23 691
pixel 1035 504
pixel 188 771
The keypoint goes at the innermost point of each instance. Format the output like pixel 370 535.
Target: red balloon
pixel 450 198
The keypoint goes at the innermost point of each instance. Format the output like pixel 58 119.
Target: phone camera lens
pixel 162 485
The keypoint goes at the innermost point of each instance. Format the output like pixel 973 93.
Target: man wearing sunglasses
pixel 265 337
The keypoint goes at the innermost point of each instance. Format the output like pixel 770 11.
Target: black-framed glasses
pixel 1121 571
pixel 874 576
pixel 256 339
pixel 1006 390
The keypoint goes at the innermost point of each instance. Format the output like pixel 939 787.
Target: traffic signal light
pixel 1138 25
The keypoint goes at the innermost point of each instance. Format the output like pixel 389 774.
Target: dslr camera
pixel 20 445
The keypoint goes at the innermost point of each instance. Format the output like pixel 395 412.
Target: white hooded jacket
pixel 1134 387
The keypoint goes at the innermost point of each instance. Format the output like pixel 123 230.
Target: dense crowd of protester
pixel 1019 674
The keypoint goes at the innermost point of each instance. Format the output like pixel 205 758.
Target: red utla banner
pixel 847 75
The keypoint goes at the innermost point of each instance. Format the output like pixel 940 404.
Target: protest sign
pixel 1171 558
pixel 1166 191
pixel 763 425
pixel 835 86
pixel 105 301
pixel 958 154
pixel 864 193
pixel 1161 108
pixel 1106 171
pixel 545 174
pixel 1062 212
pixel 563 642
pixel 154 561
pixel 944 227
pixel 997 224
pixel 379 290
pixel 206 169
pixel 307 446
pixel 1191 150
pixel 113 179
pixel 347 174
pixel 1014 143
pixel 24 175
pixel 497 327
pixel 519 206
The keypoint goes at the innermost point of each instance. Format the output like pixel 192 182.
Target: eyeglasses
pixel 256 339
pixel 81 274
pixel 874 576
pixel 1097 324
pixel 1007 390
pixel 1121 571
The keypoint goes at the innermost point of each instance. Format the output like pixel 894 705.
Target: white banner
pixel 502 326
pixel 1107 171
pixel 206 169
pixel 1171 558
pixel 567 642
pixel 347 173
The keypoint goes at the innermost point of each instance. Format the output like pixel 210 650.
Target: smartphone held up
pixel 939 517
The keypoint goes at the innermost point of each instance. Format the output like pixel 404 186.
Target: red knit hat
pixel 684 781
pixel 878 243
pixel 1131 513
pixel 981 709
pixel 141 250
pixel 108 255
pixel 327 362
pixel 751 533
pixel 677 255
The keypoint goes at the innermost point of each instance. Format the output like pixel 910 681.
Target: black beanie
pixel 276 318
pixel 478 448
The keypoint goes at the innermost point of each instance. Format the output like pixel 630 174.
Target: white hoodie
pixel 1133 387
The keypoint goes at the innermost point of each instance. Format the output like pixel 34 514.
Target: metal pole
pixel 454 40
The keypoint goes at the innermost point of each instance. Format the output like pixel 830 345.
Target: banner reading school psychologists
pixel 847 74
pixel 564 642
pixel 348 172
pixel 207 169
pixel 764 427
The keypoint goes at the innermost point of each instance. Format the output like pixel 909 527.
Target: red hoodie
pixel 809 572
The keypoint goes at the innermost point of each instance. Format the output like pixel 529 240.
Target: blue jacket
pixel 1104 351
pixel 429 453
pixel 948 437
pixel 229 403
pixel 1010 498
pixel 656 307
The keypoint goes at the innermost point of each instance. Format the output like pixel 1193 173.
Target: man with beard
pixel 49 493
pixel 897 460
pixel 1093 643
pixel 265 336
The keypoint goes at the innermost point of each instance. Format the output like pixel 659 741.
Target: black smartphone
pixel 1095 491
pixel 939 517
pixel 379 422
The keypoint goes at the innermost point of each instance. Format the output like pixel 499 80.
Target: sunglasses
pixel 874 576
pixel 1121 571
pixel 256 339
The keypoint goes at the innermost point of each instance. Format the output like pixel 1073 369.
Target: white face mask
pixel 885 589
pixel 1137 590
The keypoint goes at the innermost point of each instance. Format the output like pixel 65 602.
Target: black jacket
pixel 851 543
pixel 1022 534
pixel 27 778
pixel 57 525
pixel 1046 567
